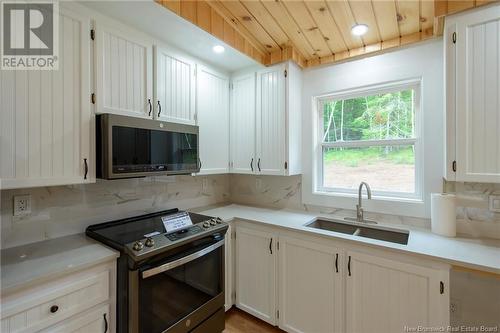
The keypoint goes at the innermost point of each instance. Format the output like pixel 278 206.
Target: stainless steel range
pixel 170 273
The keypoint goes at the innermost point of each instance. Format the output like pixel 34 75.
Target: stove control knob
pixel 206 225
pixel 138 246
pixel 149 242
pixel 212 222
pixel 218 220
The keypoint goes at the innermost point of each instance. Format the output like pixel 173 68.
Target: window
pixel 370 136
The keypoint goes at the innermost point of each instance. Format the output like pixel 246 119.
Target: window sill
pixel 413 207
pixel 333 193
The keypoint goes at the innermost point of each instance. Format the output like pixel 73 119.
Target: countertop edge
pixel 333 235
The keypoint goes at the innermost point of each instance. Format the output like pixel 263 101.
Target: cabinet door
pixel 478 87
pixel 243 125
pixel 175 87
pixel 385 296
pixel 255 273
pixel 213 120
pixel 46 123
pixel 124 71
pixel 310 288
pixel 271 122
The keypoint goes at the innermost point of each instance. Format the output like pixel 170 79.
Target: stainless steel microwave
pixel 128 147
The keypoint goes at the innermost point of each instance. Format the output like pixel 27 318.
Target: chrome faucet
pixel 359 208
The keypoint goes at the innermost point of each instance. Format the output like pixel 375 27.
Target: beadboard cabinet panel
pixel 384 295
pixel 243 124
pixel 270 122
pixel 95 321
pixel 213 120
pixel 472 59
pixel 124 71
pixel 256 273
pixel 311 287
pixel 174 87
pixel 46 123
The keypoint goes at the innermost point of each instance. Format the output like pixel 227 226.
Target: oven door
pixel 179 293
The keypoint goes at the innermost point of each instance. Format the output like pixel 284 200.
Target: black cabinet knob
pixel 54 308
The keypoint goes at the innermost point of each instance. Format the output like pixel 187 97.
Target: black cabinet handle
pixel 258 164
pixel 441 287
pixel 150 107
pixel 86 168
pixel 199 160
pixel 271 246
pixel 336 262
pixel 251 164
pixel 349 266
pixel 159 108
pixel 105 324
pixel 54 308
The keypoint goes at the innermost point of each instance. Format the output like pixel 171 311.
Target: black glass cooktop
pixel 121 232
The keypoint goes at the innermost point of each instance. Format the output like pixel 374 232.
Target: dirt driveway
pixel 381 175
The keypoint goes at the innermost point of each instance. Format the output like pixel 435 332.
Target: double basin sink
pixel 361 230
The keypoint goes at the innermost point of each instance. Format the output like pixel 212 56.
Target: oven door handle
pixel 181 261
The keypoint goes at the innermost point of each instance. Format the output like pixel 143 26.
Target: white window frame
pixel 414 84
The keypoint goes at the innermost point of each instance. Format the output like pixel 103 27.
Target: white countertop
pixel 37 262
pixel 474 253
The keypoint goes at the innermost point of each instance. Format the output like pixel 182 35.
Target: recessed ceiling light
pixel 218 48
pixel 359 29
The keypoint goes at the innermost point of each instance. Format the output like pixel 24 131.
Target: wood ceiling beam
pixel 442 8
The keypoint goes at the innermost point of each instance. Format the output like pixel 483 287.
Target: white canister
pixel 443 214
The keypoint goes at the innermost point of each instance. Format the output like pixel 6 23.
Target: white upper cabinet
pixel 270 124
pixel 384 295
pixel 213 120
pixel 174 87
pixel 472 57
pixel 266 122
pixel 124 80
pixel 311 287
pixel 46 122
pixel 243 124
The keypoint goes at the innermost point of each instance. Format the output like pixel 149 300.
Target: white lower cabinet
pixel 256 273
pixel 93 321
pixel 325 286
pixel 83 301
pixel 310 287
pixel 386 295
pixel 228 278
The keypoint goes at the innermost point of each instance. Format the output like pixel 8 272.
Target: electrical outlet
pixel 204 184
pixel 22 205
pixel 455 310
pixel 495 203
pixel 258 183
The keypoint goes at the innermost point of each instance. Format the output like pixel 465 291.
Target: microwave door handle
pixel 184 260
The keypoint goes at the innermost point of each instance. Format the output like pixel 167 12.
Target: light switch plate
pixel 495 203
pixel 22 205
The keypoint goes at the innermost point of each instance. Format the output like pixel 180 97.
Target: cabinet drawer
pixel 93 321
pixel 47 304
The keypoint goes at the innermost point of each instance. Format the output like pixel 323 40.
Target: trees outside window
pixel 370 137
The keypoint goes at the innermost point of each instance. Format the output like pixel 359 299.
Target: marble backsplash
pixel 63 210
pixel 473 216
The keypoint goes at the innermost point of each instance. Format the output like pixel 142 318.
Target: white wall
pixel 423 61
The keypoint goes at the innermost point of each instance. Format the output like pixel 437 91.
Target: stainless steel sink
pixel 358 229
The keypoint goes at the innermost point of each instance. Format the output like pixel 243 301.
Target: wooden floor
pixel 238 321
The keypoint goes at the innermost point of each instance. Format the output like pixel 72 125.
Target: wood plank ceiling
pixel 310 32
